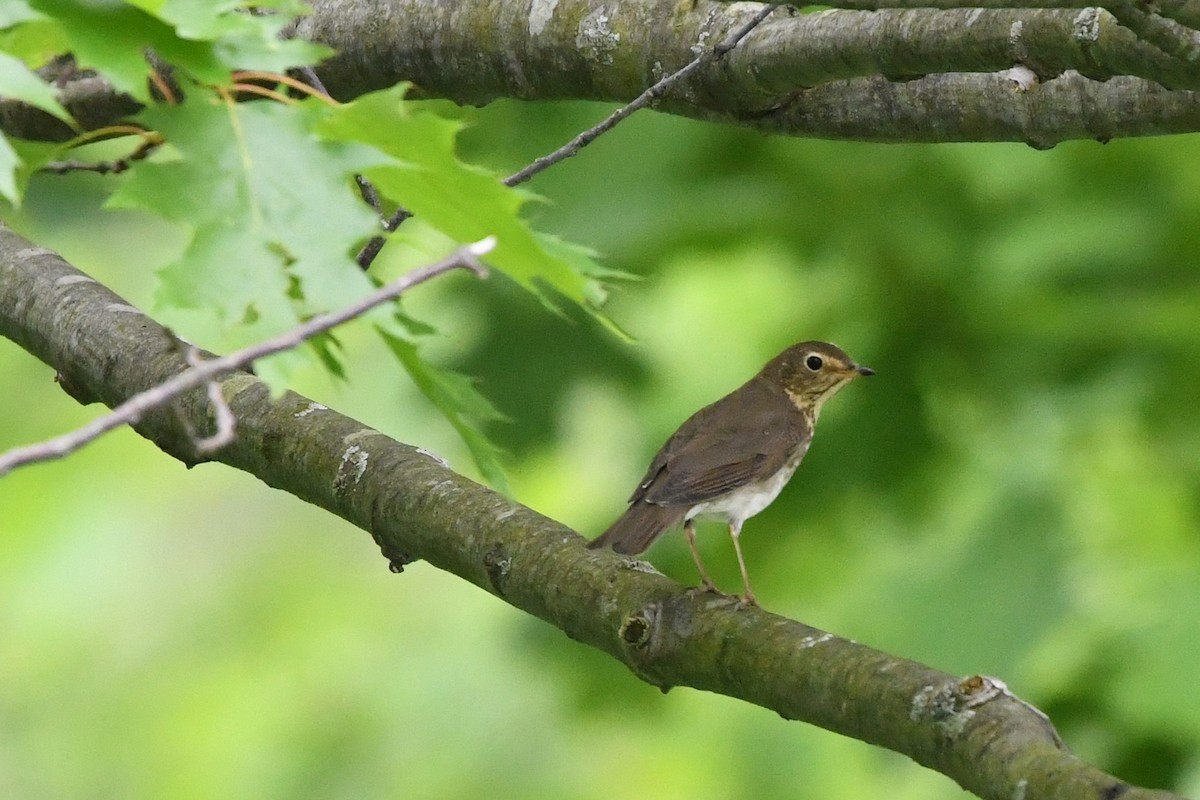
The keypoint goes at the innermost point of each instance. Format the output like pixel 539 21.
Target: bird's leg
pixel 735 533
pixel 689 531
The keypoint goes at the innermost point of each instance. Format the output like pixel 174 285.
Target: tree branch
pixel 1186 12
pixel 475 51
pixel 200 372
pixel 971 729
pixel 643 100
pixel 992 107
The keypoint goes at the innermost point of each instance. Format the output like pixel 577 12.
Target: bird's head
pixel 812 372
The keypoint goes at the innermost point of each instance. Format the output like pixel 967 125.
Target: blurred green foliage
pixel 1017 492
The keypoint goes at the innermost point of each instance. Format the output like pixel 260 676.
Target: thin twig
pixel 263 91
pixel 371 249
pixel 223 417
pixel 115 167
pixel 646 98
pixel 135 407
pixel 111 132
pixel 366 256
pixel 314 90
pixel 310 76
pixel 163 86
pixel 74 165
pixel 370 194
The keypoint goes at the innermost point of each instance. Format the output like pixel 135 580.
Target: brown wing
pixel 743 437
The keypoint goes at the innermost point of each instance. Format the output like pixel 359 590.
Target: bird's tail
pixel 638 527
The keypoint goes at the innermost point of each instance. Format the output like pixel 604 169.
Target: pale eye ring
pixel 814 363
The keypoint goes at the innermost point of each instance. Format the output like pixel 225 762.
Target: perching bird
pixel 730 459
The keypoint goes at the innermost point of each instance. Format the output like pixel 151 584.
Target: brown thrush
pixel 730 459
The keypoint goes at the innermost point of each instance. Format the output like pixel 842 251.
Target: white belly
pixel 739 505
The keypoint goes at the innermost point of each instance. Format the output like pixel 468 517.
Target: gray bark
pixel 889 75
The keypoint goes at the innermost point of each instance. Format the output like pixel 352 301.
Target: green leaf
pixel 276 220
pixel 412 326
pixel 112 38
pixel 274 215
pixel 463 201
pixel 14 12
pixel 35 40
pixel 328 351
pixel 18 81
pixel 241 40
pixel 199 39
pixel 19 160
pixel 231 270
pixel 461 403
pixel 9 162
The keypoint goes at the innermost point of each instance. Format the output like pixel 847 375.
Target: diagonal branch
pixel 971 729
pixel 643 100
pixel 206 372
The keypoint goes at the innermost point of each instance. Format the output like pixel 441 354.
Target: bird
pixel 732 458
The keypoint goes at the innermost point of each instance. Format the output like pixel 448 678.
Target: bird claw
pixel 747 600
pixel 706 588
pixel 741 601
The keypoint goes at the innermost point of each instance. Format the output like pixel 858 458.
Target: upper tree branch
pixel 798 74
pixel 1186 12
pixel 971 729
pixel 475 51
pixel 462 51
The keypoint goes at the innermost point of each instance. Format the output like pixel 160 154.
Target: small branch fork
pixel 203 373
pixel 644 100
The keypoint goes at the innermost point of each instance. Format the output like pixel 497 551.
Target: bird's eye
pixel 814 363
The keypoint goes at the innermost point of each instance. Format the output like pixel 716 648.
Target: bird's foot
pixel 707 587
pixel 748 600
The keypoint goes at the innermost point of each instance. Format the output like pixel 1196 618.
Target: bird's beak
pixel 861 370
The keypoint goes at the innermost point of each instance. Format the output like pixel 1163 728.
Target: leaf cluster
pixel 263 194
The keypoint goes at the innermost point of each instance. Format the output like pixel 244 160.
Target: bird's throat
pixel 809 403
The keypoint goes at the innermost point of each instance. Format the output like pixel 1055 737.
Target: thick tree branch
pixel 992 107
pixel 970 729
pixel 1186 12
pixel 796 74
pixel 206 372
pixel 474 52
pixel 463 52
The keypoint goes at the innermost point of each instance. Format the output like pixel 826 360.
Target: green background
pixel 1016 493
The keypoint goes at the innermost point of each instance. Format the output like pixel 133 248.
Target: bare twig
pixel 222 414
pixel 366 256
pixel 310 77
pixel 370 194
pixel 206 372
pixel 645 99
pixel 310 89
pixel 263 91
pixel 99 167
pixel 371 249
pixel 149 144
